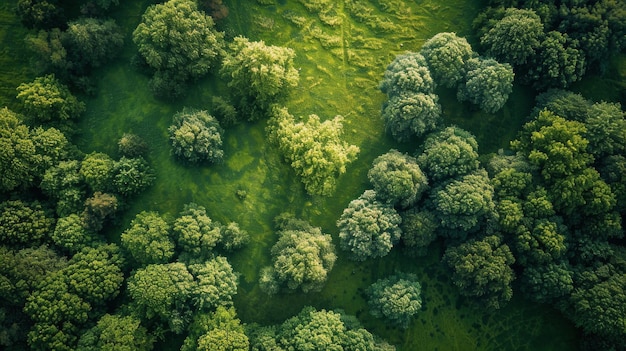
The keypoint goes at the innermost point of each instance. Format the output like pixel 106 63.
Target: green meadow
pixel 342 48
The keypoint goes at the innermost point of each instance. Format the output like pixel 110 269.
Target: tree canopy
pixel 488 84
pixel 396 298
pixel 148 239
pixel 368 228
pixel 449 153
pixel 313 148
pixel 47 99
pixel 196 136
pixel 397 178
pixel 447 54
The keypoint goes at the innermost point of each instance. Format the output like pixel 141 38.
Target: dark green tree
pixel 419 229
pixel 482 269
pixel 18 158
pixel 407 73
pixel 449 153
pixel 558 62
pixel 132 176
pixel 65 184
pixel 515 38
pixel 396 299
pixel 24 224
pixel 487 84
pixel 547 283
pixel 409 114
pixel 92 42
pixel 40 14
pixel 216 283
pixel 368 228
pixel 71 235
pixel 196 136
pixel 447 55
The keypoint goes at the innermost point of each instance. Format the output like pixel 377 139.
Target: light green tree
pixel 116 333
pixel 409 114
pixel 196 136
pixel 313 148
pixel 216 283
pixel 407 73
pixel 396 298
pixel 217 331
pixel 148 239
pixel 47 99
pixel 258 75
pixel 18 158
pixel 196 233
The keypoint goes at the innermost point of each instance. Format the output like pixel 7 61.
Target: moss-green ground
pixel 341 56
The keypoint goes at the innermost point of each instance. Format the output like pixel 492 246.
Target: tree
pixel 116 333
pixel 47 99
pixel 40 13
pixel 396 298
pixel 368 228
pixel 233 237
pixel 407 73
pixel 411 114
pixel 606 129
pixel 419 229
pixel 515 38
pixel 313 148
pixel 216 283
pixel 97 209
pixel 51 147
pixel 558 62
pixel 71 235
pixel 555 146
pixel 97 171
pixel 449 153
pixel 547 283
pixel 259 75
pixel 482 269
pixel 64 183
pixel 131 145
pixel 447 55
pixel 488 84
pixel 132 176
pixel 161 292
pixel 216 331
pixel 148 239
pixel 196 136
pixel 462 204
pixel 196 234
pixel 177 40
pixel 91 42
pixel 302 257
pixel 397 178
pixel 24 224
pixel 18 158
pixel 542 244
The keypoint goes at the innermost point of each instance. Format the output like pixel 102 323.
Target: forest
pixel 312 175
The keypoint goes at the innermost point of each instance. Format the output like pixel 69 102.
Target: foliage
pixel 233 237
pixel 407 73
pixel 515 37
pixel 449 153
pixel 175 37
pixel 411 114
pixel 481 269
pixel 258 75
pixel 132 176
pixel 40 13
pixel 487 84
pixel 447 55
pixel 64 183
pixel 47 99
pixel 543 244
pixel 216 331
pixel 18 156
pixel 547 283
pixel 302 257
pixel 116 333
pixel 419 229
pixel 368 228
pixel 161 292
pixel 559 62
pixel 148 239
pixel 606 129
pixel 196 136
pixel 196 234
pixel 51 147
pixel 216 283
pixel 313 148
pixel 92 42
pixel 96 170
pixel 131 145
pixel 463 203
pixel 23 224
pixel 98 208
pixel 71 235
pixel 396 298
pixel 397 178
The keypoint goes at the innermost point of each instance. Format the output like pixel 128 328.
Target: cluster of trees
pixel 315 330
pixel 552 43
pixel 448 60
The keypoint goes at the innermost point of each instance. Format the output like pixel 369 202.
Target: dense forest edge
pixel 312 175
